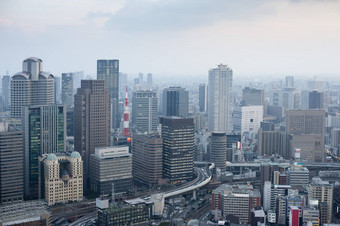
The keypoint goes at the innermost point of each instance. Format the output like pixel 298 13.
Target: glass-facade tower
pixel 108 70
pixel 44 132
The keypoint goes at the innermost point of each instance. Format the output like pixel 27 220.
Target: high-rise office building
pixel 32 86
pixel 335 138
pixel 289 81
pixel 178 148
pixel 149 79
pixel 144 111
pixel 61 177
pixel 323 192
pixel 298 177
pixel 77 77
pixel 108 70
pixel 92 120
pixel 247 118
pixel 11 162
pixel 269 142
pixel 290 98
pixel 57 90
pixel 251 96
pixel 305 123
pixel 122 84
pixel 44 128
pixel 218 150
pixel 232 140
pixel 67 90
pixel 6 91
pixel 175 102
pixel 111 167
pixel 203 97
pixel 220 99
pixel 315 100
pixel 147 153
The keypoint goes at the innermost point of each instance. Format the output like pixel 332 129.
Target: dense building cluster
pixel 249 153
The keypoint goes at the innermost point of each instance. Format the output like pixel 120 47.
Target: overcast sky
pixel 174 37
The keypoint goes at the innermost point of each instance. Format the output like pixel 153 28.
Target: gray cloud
pixel 146 15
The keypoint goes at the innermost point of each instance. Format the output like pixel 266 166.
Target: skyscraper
pixel 6 91
pixel 144 111
pixel 305 123
pixel 32 86
pixel 289 81
pixel 269 142
pixel 108 70
pixel 111 165
pixel 175 102
pixel 251 96
pixel 67 90
pixel 323 192
pixel 149 79
pixel 11 161
pixel 178 148
pixel 315 100
pixel 203 97
pixel 147 156
pixel 220 99
pixel 91 120
pixel 57 89
pixel 218 152
pixel 44 128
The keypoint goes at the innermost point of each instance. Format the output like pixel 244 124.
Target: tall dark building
pixel 44 128
pixel 11 165
pixel 149 79
pixel 178 148
pixel 91 120
pixel 203 97
pixel 315 100
pixel 252 96
pixel 147 153
pixel 269 142
pixel 218 150
pixel 175 102
pixel 108 70
pixel 6 91
pixel 232 140
pixel 144 111
pixel 67 90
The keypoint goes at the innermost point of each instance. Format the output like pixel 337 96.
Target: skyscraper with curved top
pixel 220 99
pixel 32 86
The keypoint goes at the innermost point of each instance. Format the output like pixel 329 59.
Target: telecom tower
pixel 126 131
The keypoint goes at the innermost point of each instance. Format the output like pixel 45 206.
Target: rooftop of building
pixel 23 212
pixel 237 190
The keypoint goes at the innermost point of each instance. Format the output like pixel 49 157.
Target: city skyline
pixel 254 38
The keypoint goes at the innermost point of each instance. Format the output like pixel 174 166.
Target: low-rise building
pixel 236 200
pixel 25 213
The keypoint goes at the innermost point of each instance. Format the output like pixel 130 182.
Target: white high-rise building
pixel 220 99
pixel 32 86
pixel 247 118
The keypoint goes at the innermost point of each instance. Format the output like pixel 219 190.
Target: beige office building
pixel 61 178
